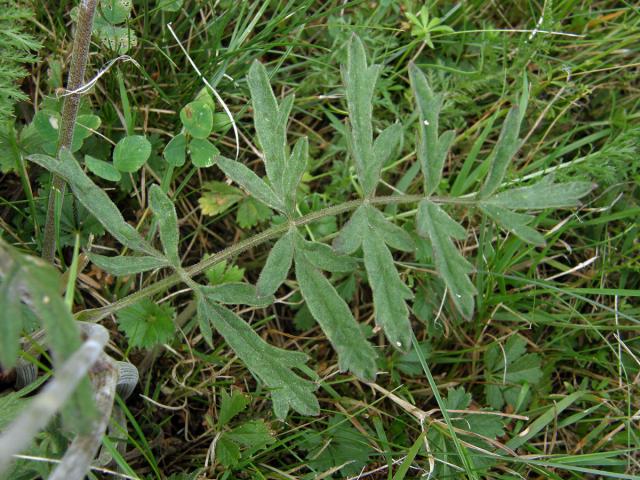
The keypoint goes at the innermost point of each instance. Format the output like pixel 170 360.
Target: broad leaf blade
pixel 95 200
pixel 121 266
pixel 435 224
pixel 277 266
pixel 334 316
pixel 360 81
pixel 248 180
pixel 504 151
pixel 389 292
pixel 271 365
pixel 12 319
pixel 516 223
pixel 165 212
pixel 542 195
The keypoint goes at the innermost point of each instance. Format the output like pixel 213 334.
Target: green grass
pixel 573 410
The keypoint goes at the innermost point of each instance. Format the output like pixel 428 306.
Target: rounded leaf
pixel 115 11
pixel 203 152
pixel 131 153
pixel 197 118
pixel 175 151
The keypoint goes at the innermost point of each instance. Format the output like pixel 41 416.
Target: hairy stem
pixel 79 56
pixel 93 315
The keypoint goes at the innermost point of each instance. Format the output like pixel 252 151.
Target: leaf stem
pixel 79 56
pixel 96 314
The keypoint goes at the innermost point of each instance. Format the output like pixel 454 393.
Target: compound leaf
pixel 231 405
pixel 236 293
pixel 389 292
pixel 165 212
pixel 294 171
pixel 277 266
pixel 393 235
pixel 324 257
pixel 248 180
pixel 334 316
pixel 436 225
pixel 514 222
pixel 146 323
pixel 504 151
pixel 543 194
pixel 360 81
pixel 121 266
pixel 431 149
pixel 95 200
pixel 271 124
pixel 271 365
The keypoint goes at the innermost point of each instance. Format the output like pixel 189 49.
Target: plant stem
pixel 94 315
pixel 79 56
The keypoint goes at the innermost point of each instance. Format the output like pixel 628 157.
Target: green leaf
pixel 203 152
pixel 248 180
pixel 227 451
pixel 146 323
pixel 277 266
pixel 12 321
pixel 83 129
pixel 197 119
pixel 333 314
pixel 115 11
pixel 102 169
pixel 389 292
pixel 218 197
pixel 543 194
pixel 504 151
pixel 231 405
pixel 170 5
pixel 507 368
pixel 118 39
pixel 251 212
pixel 431 150
pixel 221 273
pixel 323 257
pixel 271 365
pixel 95 200
pixel 360 81
pixel 31 281
pixel 516 223
pixel 47 124
pixel 350 237
pixel 234 293
pixel 165 212
pixel 122 266
pixel 271 124
pixel 436 225
pixel 293 173
pixel 175 151
pixel 254 434
pixel 386 145
pixel 393 235
pixel 131 153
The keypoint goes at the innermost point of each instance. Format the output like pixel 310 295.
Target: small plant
pixel 366 243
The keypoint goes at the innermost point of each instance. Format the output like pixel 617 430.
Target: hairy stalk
pixel 94 315
pixel 79 56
